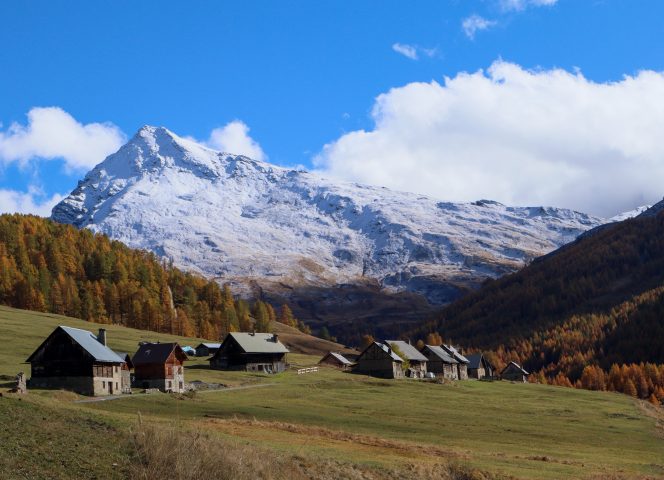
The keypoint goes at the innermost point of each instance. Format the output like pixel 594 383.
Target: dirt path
pixel 118 397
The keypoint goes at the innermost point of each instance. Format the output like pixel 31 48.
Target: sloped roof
pixel 442 354
pixel 156 353
pixel 475 360
pixel 455 353
pixel 258 342
pixel 339 357
pixel 387 349
pixel 88 342
pixel 515 365
pixel 408 350
pixel 209 345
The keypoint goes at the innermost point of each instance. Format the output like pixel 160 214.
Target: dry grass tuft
pixel 168 452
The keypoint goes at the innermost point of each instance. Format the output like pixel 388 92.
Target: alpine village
pixel 305 240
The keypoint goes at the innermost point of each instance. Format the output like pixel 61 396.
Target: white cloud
pixel 33 201
pixel 413 51
pixel 473 24
pixel 522 137
pixel 53 133
pixel 234 138
pixel 405 50
pixel 519 5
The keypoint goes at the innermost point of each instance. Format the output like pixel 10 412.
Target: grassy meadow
pixel 333 423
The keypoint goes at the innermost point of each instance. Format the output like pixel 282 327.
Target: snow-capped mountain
pixel 239 219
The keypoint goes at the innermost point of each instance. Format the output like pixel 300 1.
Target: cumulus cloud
pixel 234 138
pixel 33 201
pixel 522 137
pixel 473 24
pixel 53 133
pixel 519 5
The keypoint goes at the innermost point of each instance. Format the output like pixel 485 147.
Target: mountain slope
pixel 599 300
pixel 289 232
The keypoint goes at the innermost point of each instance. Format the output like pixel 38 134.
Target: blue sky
pixel 302 75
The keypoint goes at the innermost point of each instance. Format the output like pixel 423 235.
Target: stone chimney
pixel 275 337
pixel 101 336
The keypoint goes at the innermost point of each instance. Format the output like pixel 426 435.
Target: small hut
pixel 417 362
pixel 440 362
pixel 479 367
pixel 207 349
pixel 379 360
pixel 514 372
pixel 160 365
pixel 336 359
pixel 76 360
pixel 253 352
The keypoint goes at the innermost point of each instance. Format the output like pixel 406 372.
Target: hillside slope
pixel 294 234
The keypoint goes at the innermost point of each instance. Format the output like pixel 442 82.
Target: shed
pixel 336 359
pixel 160 365
pixel 515 372
pixel 207 349
pixel 379 360
pixel 479 367
pixel 76 360
pixel 440 362
pixel 417 361
pixel 253 352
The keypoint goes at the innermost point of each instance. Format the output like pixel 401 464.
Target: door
pixel 110 388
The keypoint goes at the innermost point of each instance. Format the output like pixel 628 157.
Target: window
pixel 103 384
pixel 116 385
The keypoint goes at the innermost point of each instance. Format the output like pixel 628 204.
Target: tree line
pixel 55 268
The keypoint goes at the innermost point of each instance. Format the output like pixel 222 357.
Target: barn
pixel 336 359
pixel 440 362
pixel 253 352
pixel 462 362
pixel 479 367
pixel 379 360
pixel 515 372
pixel 417 362
pixel 76 360
pixel 160 365
pixel 207 349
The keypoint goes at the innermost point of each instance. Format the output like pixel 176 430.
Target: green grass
pixel 527 431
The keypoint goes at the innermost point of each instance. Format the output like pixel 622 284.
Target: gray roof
pixel 408 350
pixel 455 353
pixel 475 360
pixel 517 366
pixel 442 354
pixel 387 349
pixel 209 345
pixel 258 342
pixel 90 344
pixel 340 357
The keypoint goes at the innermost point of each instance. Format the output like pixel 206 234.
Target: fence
pixel 301 371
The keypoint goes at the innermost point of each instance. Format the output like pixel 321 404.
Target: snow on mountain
pixel 239 219
pixel 630 214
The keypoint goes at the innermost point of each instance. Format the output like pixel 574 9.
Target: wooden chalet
pixel 160 365
pixel 253 352
pixel 76 360
pixel 207 349
pixel 336 359
pixel 479 367
pixel 514 372
pixel 379 360
pixel 417 362
pixel 462 365
pixel 440 362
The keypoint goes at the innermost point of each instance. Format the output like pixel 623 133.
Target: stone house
pixel 160 365
pixel 440 362
pixel 479 367
pixel 515 372
pixel 462 362
pixel 417 362
pixel 336 359
pixel 76 360
pixel 125 371
pixel 253 352
pixel 379 360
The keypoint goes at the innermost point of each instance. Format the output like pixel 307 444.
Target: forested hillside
pixel 592 308
pixel 50 267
